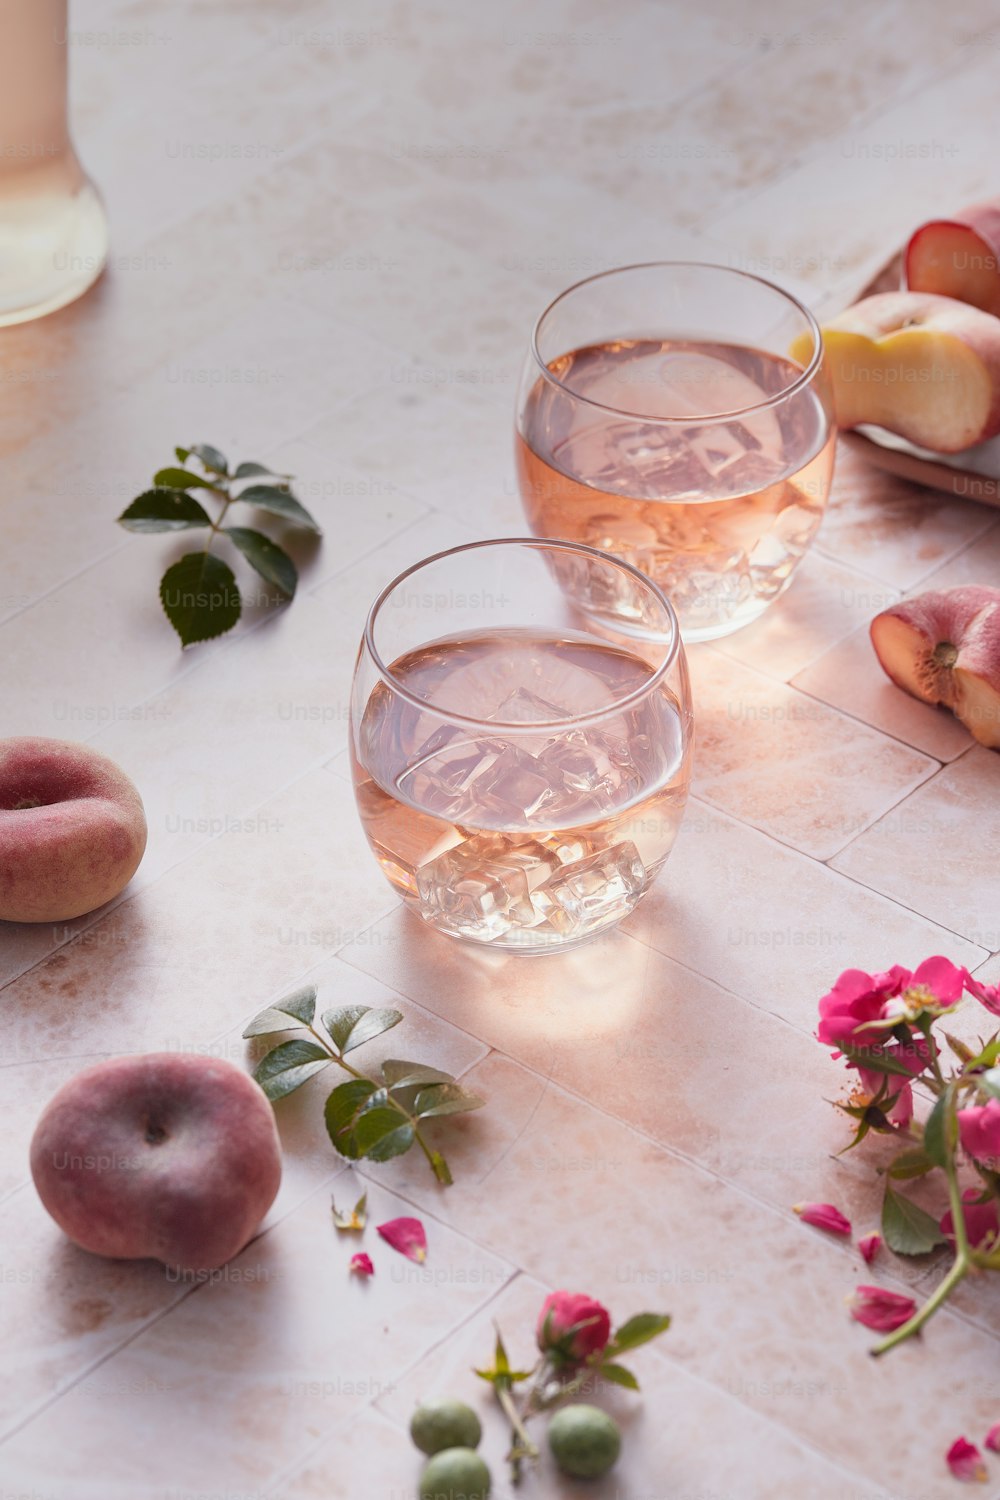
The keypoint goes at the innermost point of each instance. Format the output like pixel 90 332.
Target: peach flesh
pixel 922 366
pixel 944 648
pixel 959 257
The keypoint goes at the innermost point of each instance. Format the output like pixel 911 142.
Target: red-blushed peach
pixel 944 647
pixel 925 367
pixel 72 830
pixel 169 1156
pixel 959 257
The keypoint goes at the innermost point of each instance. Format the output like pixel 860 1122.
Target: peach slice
pixel 925 367
pixel 959 257
pixel 945 648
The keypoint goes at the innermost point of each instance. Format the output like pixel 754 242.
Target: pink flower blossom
pixel 986 994
pixel 980 1219
pixel 823 1216
pixel 407 1236
pixel 979 1132
pixel 361 1264
pixel 965 1462
pixel 572 1327
pixel 856 999
pixel 943 978
pixel 992 1438
pixel 869 1245
pixel 880 1309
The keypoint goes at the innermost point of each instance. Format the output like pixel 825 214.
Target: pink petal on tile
pixel 407 1236
pixel 361 1264
pixel 870 1245
pixel 823 1216
pixel 965 1462
pixel 992 1438
pixel 350 1219
pixel 880 1309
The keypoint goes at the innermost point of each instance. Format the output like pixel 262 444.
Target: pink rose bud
pixel 992 1439
pixel 880 1309
pixel 361 1264
pixel 981 1221
pixel 572 1327
pixel 869 1245
pixel 979 1132
pixel 823 1216
pixel 965 1462
pixel 407 1236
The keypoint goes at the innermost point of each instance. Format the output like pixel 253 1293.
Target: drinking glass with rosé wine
pixel 660 417
pixel 520 740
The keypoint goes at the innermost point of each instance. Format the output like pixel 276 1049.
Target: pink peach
pixel 169 1156
pixel 72 830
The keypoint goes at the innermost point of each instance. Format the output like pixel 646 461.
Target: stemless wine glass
pixel 521 764
pixel 679 415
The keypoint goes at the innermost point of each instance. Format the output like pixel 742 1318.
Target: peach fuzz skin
pixel 922 366
pixel 72 830
pixel 168 1156
pixel 944 647
pixel 959 257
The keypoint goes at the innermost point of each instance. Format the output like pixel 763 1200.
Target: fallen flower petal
pixel 407 1236
pixel 823 1216
pixel 981 1221
pixel 869 1245
pixel 880 1309
pixel 361 1264
pixel 965 1462
pixel 353 1219
pixel 992 1438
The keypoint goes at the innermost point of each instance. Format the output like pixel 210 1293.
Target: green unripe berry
pixel 443 1423
pixel 455 1474
pixel 584 1440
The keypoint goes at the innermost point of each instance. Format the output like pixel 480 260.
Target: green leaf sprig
pixel 375 1117
pixel 199 593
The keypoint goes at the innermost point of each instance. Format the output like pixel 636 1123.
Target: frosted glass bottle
pixel 53 228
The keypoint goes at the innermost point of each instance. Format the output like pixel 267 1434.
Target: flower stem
pixel 521 1446
pixel 957 1273
pixel 963 1256
pixel 223 492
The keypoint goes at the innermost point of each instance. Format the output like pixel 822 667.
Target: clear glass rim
pixel 538 544
pixel 799 383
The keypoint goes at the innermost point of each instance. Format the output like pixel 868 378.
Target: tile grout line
pixel 23 1421
pixel 295 1466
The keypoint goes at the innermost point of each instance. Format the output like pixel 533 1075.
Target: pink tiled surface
pixel 424 177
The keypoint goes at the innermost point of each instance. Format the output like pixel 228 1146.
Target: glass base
pixel 692 634
pixel 53 245
pixel 531 942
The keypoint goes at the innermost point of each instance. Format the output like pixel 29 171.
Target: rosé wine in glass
pixel 702 456
pixel 520 768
